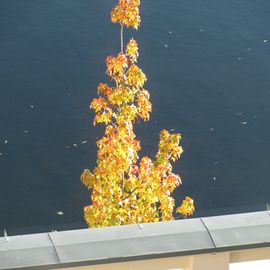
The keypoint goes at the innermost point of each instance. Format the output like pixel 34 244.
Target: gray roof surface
pixel 131 242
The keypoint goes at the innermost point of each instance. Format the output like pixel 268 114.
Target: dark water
pixel 208 66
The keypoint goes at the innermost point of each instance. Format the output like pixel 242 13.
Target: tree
pixel 125 189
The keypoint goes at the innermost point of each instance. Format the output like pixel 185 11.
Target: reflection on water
pixel 208 74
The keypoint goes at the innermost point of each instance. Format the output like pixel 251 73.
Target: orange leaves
pixel 116 66
pixel 102 109
pixel 99 104
pixel 146 166
pixel 171 182
pixel 134 169
pixel 187 207
pixel 126 12
pixel 104 89
pixel 132 50
pixel 136 145
pixel 177 180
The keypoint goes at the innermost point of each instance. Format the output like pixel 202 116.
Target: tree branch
pixel 122 38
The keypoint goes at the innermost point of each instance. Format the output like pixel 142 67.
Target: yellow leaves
pixel 126 113
pixel 104 117
pixel 187 207
pixel 146 164
pixel 144 104
pixel 166 207
pixel 132 50
pixel 121 95
pixel 88 179
pixel 131 184
pixel 135 77
pixel 168 147
pixel 126 12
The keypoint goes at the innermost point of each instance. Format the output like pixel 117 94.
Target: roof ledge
pixel 135 242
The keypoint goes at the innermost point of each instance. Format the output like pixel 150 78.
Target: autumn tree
pixel 125 189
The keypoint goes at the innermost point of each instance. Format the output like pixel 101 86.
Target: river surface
pixel 208 66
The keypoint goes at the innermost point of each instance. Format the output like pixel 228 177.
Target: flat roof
pixel 135 242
